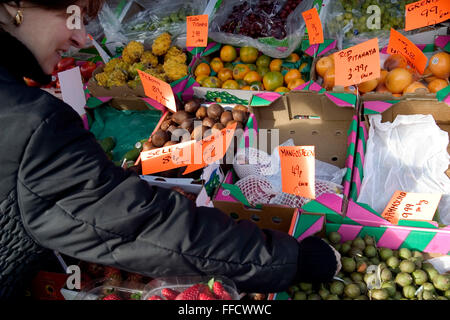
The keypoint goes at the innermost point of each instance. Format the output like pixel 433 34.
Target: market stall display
pixel 259 73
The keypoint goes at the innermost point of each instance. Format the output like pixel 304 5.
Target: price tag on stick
pixel 197 31
pixel 425 13
pixel 411 206
pixel 400 44
pixel 298 170
pixel 357 64
pixel 314 26
pixel 158 90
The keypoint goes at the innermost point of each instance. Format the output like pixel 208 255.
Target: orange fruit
pixel 416 85
pixel 368 86
pixel 241 83
pixel 248 54
pixel 247 87
pixel 200 78
pixel 240 70
pixel 212 82
pixel 252 76
pixel 293 57
pixel 381 88
pixel 398 79
pixel 428 76
pixel 202 69
pixel 216 64
pixel 228 53
pixel 263 70
pixel 252 66
pixel 273 80
pixel 230 84
pixel 328 79
pixel 225 74
pixel 302 66
pixel 395 61
pixel 323 64
pixel 275 65
pixel 436 85
pixel 294 83
pixel 415 74
pixel 383 74
pixel 292 75
pixel 282 89
pixel 440 65
pixel 263 61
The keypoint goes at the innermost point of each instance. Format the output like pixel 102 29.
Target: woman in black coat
pixel 59 191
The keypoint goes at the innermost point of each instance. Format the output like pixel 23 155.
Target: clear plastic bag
pixel 262 23
pixel 409 154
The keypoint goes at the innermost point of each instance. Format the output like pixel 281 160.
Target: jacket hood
pixel 18 60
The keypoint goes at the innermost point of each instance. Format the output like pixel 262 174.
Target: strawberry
pixel 220 291
pixel 169 294
pixel 206 296
pixel 112 297
pixel 192 292
pixel 155 297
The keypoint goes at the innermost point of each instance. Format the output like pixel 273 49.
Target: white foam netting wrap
pixel 260 178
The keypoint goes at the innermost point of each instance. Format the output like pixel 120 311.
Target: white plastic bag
pixel 409 154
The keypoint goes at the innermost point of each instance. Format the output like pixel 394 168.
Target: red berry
pixel 169 294
pixel 155 297
pixel 206 296
pixel 112 297
pixel 192 292
pixel 220 291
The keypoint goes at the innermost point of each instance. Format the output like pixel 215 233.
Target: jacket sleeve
pixel 74 200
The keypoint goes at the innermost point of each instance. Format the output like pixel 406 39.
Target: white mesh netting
pixel 260 178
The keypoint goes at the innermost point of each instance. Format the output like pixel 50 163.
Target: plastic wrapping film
pixel 268 35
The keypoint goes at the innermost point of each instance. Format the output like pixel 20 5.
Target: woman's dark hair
pixel 93 6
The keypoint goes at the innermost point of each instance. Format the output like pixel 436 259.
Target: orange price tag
pixel 411 206
pixel 357 64
pixel 158 90
pixel 194 155
pixel 314 26
pixel 425 13
pixel 197 31
pixel 400 44
pixel 298 170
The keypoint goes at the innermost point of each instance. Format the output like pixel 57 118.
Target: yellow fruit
pixel 295 83
pixel 273 80
pixel 440 65
pixel 437 84
pixel 328 78
pixel 225 74
pixel 416 85
pixel 275 65
pixel 212 82
pixel 246 88
pixel 292 75
pixel 323 64
pixel 200 78
pixel 161 44
pixel 240 70
pixel 248 54
pixel 230 84
pixel 368 86
pixel 397 80
pixel 293 57
pixel 202 69
pixel 263 61
pixel 282 89
pixel 228 53
pixel 252 76
pixel 216 64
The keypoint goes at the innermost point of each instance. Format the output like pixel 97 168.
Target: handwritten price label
pixel 314 26
pixel 297 170
pixel 425 13
pixel 411 206
pixel 400 44
pixel 197 31
pixel 357 64
pixel 158 90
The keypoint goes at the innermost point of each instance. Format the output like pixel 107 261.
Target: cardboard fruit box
pixel 309 118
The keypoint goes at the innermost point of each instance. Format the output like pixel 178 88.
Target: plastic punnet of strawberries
pixel 213 290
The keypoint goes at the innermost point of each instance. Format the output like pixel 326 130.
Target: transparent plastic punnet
pixel 99 289
pixel 182 283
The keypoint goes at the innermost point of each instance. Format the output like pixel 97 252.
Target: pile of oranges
pixel 249 70
pixel 396 77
